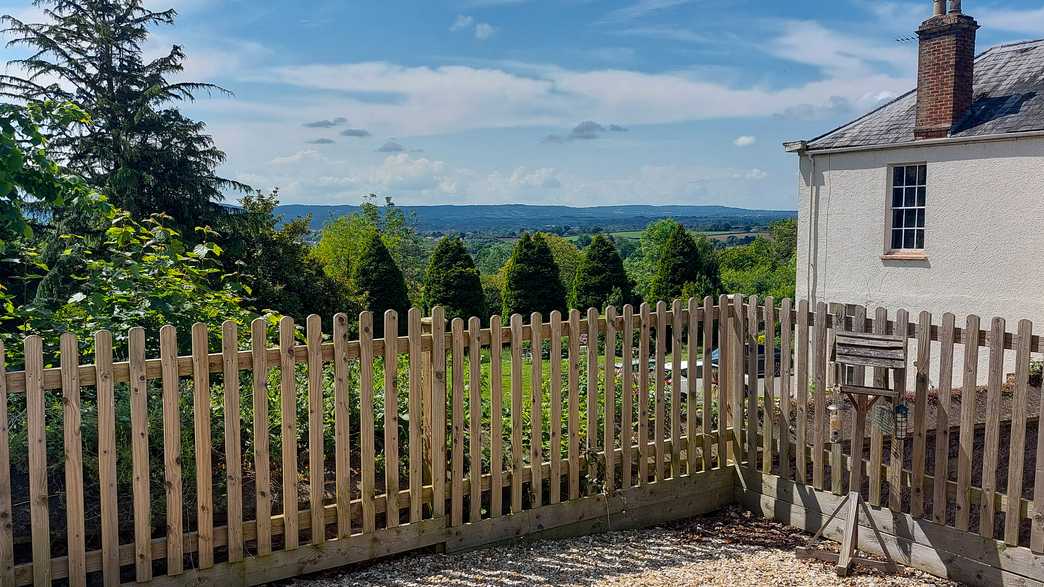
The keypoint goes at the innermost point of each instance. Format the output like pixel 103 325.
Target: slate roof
pixel 1009 98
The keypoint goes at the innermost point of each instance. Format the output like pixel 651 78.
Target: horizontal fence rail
pixel 258 452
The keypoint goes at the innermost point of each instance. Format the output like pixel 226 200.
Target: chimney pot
pixel 939 7
pixel 955 6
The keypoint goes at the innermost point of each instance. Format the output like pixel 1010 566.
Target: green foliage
pixel 491 288
pixel 277 265
pixel 766 267
pixel 532 282
pixel 641 266
pixel 452 281
pixel 491 258
pixel 686 263
pixel 567 257
pixel 138 149
pixel 600 278
pixel 379 281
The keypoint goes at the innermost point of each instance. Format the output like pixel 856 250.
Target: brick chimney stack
pixel 945 69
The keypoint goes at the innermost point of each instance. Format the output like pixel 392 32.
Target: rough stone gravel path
pixel 730 548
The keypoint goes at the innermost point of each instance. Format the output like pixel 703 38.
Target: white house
pixel 934 201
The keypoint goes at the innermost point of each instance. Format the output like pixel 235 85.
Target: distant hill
pixel 515 217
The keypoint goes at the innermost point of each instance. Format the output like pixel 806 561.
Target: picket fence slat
pixel 262 442
pixel 39 509
pixel 897 448
pixel 457 451
pixel 1037 526
pixel 754 424
pixel 368 472
pixel 769 392
pixel 881 381
pixel 171 456
pixel 342 427
pixel 992 446
pixel 818 432
pixel 786 354
pixel 692 406
pixel 438 414
pixel 739 384
pixel 801 432
pixel 233 450
pixel 415 407
pixel 109 505
pixel 706 381
pixel 202 440
pixel 920 422
pixel 677 321
pixel 574 404
pixel 316 458
pixel 659 424
pixel 516 413
pixel 555 456
pixel 139 454
pixel 627 401
pixel 73 453
pixel 967 428
pixel 592 397
pixel 1017 453
pixel 609 400
pixel 496 400
pixel 391 417
pixel 475 419
pixel 536 427
pixel 7 560
pixel 942 418
pixel 288 399
pixel 643 396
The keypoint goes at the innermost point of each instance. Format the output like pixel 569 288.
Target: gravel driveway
pixel 729 548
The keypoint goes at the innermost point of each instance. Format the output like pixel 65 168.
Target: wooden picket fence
pixel 495 431
pixel 560 453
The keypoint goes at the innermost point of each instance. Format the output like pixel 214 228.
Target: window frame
pixel 919 209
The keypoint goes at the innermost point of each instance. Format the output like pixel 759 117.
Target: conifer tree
pixel 378 281
pixel 453 282
pixel 532 282
pixel 600 272
pixel 687 266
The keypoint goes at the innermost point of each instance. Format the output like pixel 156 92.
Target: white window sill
pixel 905 256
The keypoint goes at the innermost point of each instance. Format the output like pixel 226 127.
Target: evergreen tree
pixel 453 282
pixel 601 271
pixel 532 282
pixel 686 265
pixel 379 282
pixel 136 147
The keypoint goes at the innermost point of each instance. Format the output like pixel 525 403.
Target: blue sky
pixel 580 102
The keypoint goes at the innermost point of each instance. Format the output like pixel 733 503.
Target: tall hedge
pixel 453 282
pixel 600 278
pixel 532 282
pixel 687 267
pixel 378 281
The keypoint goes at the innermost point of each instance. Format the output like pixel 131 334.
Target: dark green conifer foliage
pixel 686 267
pixel 600 272
pixel 453 282
pixel 532 282
pixel 379 282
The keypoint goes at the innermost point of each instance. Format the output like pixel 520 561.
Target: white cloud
pixel 639 9
pixel 745 141
pixel 664 32
pixel 483 31
pixel 1026 22
pixel 298 157
pixel 463 22
pixel 840 55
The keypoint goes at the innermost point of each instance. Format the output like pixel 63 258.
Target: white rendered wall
pixel 984 233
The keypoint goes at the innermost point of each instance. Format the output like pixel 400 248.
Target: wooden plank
pixel 707 381
pixel 574 404
pixel 609 401
pixel 942 418
pixel 967 428
pixel 1017 452
pixel 750 392
pixel 36 436
pixel 233 447
pixel 415 408
pixel 106 395
pixel 316 456
pixel 801 432
pixel 536 393
pixel 342 426
pixel 834 377
pixel 391 416
pixel 496 399
pixel 457 422
pixel 204 446
pixel 516 413
pixel 819 426
pixel 737 348
pixel 920 422
pixel 691 408
pixel 627 402
pixel 659 425
pixel 1037 526
pixel 643 395
pixel 768 435
pixel 7 565
pixel 438 413
pixel 288 397
pixel 864 390
pixel 677 327
pixel 73 448
pixel 475 419
pixel 853 360
pixel 884 343
pixel 592 397
pixel 880 380
pixel 139 454
pixel 368 455
pixel 991 448
pixel 262 436
pixel 555 457
pixel 171 457
pixel 897 447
